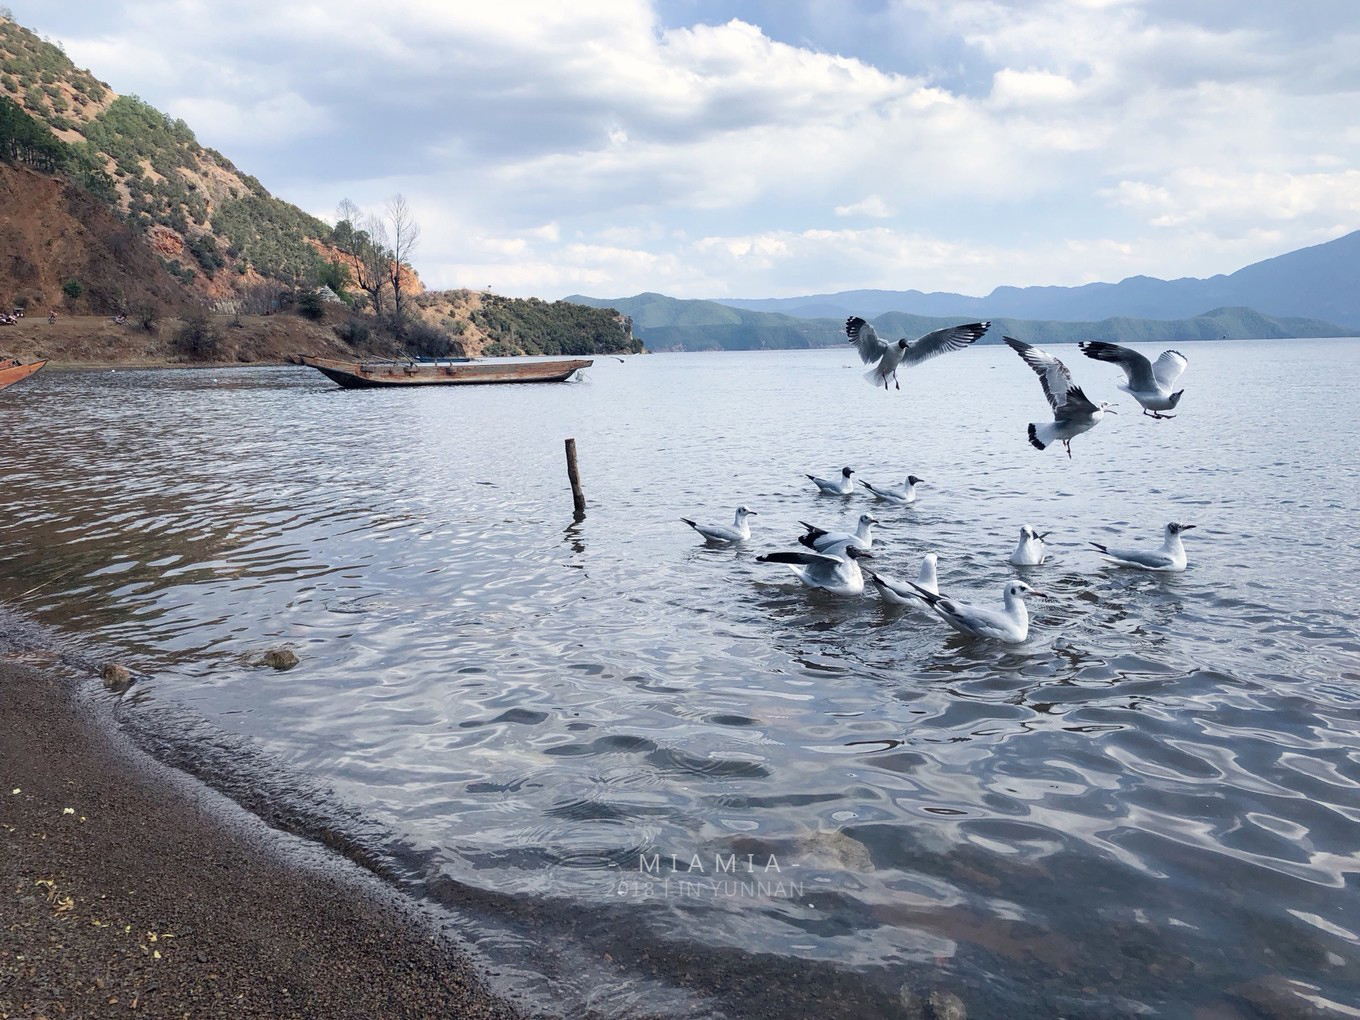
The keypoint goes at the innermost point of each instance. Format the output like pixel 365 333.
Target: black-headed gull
pixel 887 357
pixel 905 593
pixel 1030 551
pixel 899 497
pixel 821 540
pixel 1170 558
pixel 842 486
pixel 1073 412
pixel 1149 384
pixel 726 534
pixel 1010 625
pixel 837 574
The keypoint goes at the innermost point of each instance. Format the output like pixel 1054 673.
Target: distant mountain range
pixel 1306 293
pixel 1320 282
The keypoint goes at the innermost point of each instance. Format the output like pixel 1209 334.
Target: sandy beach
pixel 127 889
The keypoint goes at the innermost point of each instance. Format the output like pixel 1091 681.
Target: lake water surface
pixel 566 732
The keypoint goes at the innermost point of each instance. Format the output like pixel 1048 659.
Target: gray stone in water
pixel 937 1004
pixel 116 678
pixel 279 658
pixel 947 1006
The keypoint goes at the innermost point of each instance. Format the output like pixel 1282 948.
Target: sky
pixel 770 148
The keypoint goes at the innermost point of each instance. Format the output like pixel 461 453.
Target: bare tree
pixel 405 236
pixel 363 239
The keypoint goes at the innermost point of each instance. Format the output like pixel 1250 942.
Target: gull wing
pixel 1076 404
pixel 1149 559
pixel 942 341
pixel 1137 369
pixel 807 559
pixel 890 584
pixel 1052 373
pixel 1169 368
pixel 863 336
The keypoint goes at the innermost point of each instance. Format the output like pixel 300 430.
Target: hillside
pixel 111 206
pixel 1318 282
pixel 213 227
pixel 664 323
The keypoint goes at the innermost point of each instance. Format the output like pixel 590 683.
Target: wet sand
pixel 126 889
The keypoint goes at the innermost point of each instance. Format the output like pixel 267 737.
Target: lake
pixel 645 776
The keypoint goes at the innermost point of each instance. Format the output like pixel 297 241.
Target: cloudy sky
pixel 769 148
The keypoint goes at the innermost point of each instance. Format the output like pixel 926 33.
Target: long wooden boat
pixel 445 372
pixel 12 371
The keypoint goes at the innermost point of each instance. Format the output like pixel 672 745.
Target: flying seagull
pixel 820 540
pixel 886 357
pixel 904 593
pixel 1010 625
pixel 1169 559
pixel 842 486
pixel 726 534
pixel 1030 551
pixel 900 497
pixel 1073 412
pixel 837 574
pixel 1149 384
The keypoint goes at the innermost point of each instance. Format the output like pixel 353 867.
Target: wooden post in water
pixel 574 475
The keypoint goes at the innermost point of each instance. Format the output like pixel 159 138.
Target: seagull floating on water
pixel 1149 384
pixel 1073 412
pixel 901 497
pixel 726 534
pixel 1010 625
pixel 1170 558
pixel 821 540
pixel 837 574
pixel 905 593
pixel 1031 551
pixel 842 486
pixel 886 357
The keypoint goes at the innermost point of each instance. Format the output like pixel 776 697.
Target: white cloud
pixel 872 206
pixel 556 147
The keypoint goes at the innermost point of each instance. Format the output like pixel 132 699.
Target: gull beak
pixel 1045 535
pixel 1038 594
pixel 1187 527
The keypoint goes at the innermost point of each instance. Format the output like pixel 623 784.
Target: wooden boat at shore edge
pixel 12 371
pixel 442 372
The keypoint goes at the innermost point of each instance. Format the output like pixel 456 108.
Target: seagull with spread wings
pixel 1147 382
pixel 887 357
pixel 1073 412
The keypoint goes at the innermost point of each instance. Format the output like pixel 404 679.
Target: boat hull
pixel 11 373
pixel 358 375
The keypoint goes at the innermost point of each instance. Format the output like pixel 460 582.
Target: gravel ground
pixel 125 890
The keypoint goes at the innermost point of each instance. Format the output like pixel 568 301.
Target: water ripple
pixel 1156 792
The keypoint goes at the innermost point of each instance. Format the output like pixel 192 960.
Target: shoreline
pixel 128 886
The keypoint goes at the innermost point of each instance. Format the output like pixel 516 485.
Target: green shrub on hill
pixel 24 140
pixel 272 235
pixel 532 326
pixel 33 61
